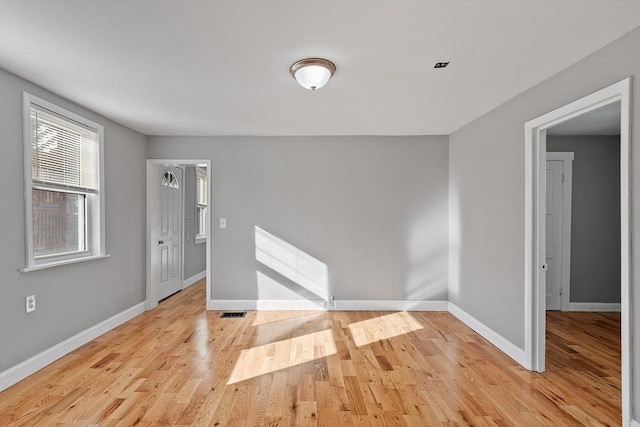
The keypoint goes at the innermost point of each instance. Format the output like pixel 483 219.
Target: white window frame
pixel 201 237
pixel 95 206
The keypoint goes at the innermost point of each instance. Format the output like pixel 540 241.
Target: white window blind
pixel 63 153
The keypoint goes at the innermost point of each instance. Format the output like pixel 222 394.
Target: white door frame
pixel 535 162
pixel 567 195
pixel 153 194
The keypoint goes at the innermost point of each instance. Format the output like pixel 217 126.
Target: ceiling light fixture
pixel 312 73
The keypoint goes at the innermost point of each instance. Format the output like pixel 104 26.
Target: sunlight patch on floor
pixel 383 327
pixel 273 357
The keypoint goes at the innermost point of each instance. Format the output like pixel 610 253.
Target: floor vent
pixel 233 314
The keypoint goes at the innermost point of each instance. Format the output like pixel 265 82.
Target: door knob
pixel 161 242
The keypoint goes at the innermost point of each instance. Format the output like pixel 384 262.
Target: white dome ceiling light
pixel 312 73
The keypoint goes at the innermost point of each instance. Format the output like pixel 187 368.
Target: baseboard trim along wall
pixel 22 370
pixel 194 279
pixel 266 304
pixel 302 304
pixel 489 334
pixel 344 305
pixel 231 304
pixel 391 305
pixel 595 306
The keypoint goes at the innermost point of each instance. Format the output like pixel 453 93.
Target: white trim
pixel 193 279
pixel 344 305
pixel 500 342
pixel 634 423
pixel 183 231
pixel 59 263
pixel 22 370
pixel 231 304
pixel 391 305
pixel 535 148
pixel 596 306
pixel 289 304
pixel 567 196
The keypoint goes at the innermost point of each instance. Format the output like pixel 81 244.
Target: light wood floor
pixel 181 365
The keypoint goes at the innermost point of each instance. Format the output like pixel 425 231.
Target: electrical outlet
pixel 31 303
pixel 330 303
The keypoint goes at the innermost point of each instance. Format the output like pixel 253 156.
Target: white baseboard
pixel 289 304
pixel 266 304
pixel 345 305
pixel 193 279
pixel 22 370
pixel 595 306
pixel 489 334
pixel 231 304
pixel 390 305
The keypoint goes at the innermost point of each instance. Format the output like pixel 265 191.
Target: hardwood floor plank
pixel 179 365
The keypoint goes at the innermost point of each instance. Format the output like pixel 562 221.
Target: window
pixel 63 178
pixel 201 205
pixel 169 179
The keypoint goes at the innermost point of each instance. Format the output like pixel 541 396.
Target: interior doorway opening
pixel 536 231
pixel 583 293
pixel 167 248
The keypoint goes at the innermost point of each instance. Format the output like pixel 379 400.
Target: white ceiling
pixel 222 67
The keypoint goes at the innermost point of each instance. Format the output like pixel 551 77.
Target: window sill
pixel 65 262
pixel 200 240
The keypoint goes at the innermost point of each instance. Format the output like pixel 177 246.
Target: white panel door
pixel 169 237
pixel 554 234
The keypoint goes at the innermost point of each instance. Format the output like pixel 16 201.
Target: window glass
pixel 59 225
pixel 201 204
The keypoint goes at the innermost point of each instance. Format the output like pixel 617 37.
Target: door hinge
pixel 562 178
pixel 560 290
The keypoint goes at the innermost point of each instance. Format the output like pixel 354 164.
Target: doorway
pixel 535 227
pixel 165 234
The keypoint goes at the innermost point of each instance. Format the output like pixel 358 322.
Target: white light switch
pixel 223 222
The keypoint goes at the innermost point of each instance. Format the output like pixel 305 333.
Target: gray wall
pixel 194 254
pixel 75 297
pixel 595 216
pixel 487 197
pixel 373 209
